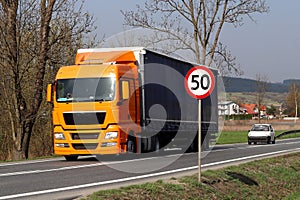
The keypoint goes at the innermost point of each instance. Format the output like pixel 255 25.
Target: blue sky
pixel 270 47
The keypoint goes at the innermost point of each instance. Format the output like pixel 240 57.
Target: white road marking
pixel 82 166
pixel 29 162
pixel 141 177
pixel 250 157
pixel 252 146
pixel 49 170
pixel 95 184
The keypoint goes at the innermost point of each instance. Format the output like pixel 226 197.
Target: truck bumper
pixel 87 142
pixel 71 151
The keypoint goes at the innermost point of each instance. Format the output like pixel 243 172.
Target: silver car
pixel 261 133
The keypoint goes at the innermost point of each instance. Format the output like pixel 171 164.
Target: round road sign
pixel 199 82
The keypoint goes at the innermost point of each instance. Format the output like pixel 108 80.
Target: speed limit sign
pixel 199 82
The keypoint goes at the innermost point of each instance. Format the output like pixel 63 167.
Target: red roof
pixel 249 108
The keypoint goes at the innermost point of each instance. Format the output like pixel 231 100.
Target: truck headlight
pixel 111 135
pixel 59 136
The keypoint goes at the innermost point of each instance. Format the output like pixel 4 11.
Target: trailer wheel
pixel 193 147
pixel 205 144
pixel 155 144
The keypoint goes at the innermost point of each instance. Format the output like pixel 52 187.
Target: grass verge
pixel 273 178
pixel 231 137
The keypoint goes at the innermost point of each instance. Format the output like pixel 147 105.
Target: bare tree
pixel 35 34
pixel 262 87
pixel 293 98
pixel 195 25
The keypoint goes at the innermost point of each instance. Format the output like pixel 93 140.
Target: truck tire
pixel 71 158
pixel 131 145
pixel 193 147
pixel 155 145
pixel 205 144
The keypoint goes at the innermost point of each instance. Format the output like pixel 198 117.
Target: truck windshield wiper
pixel 100 100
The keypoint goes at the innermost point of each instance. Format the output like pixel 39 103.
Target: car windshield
pixel 85 89
pixel 260 128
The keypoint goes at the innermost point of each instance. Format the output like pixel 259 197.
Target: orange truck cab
pixel 101 105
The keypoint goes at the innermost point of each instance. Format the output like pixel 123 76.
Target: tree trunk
pixel 17 154
pixel 27 130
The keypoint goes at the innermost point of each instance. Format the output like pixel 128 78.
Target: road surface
pixel 59 179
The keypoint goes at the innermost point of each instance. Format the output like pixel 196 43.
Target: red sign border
pixel 212 82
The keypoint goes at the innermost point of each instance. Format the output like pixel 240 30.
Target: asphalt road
pixel 59 179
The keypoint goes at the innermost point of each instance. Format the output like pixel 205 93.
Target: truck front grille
pixel 84 136
pixel 87 146
pixel 84 118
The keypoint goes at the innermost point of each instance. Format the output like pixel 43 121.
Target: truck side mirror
pixel 49 93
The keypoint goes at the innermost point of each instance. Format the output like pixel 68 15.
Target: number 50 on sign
pixel 199 82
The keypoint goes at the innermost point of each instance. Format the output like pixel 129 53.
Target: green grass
pixel 231 137
pixel 272 178
pixel 292 135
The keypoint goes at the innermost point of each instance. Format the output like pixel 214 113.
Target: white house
pixel 228 108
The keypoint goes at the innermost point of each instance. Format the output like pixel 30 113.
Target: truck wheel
pixel 205 144
pixel 71 158
pixel 155 144
pixel 273 142
pixel 131 146
pixel 193 147
pixel 249 143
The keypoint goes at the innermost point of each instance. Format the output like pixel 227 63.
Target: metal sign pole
pixel 199 83
pixel 199 140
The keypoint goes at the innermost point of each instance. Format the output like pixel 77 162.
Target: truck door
pixel 128 109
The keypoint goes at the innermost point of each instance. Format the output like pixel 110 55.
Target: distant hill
pixel 233 84
pixel 290 81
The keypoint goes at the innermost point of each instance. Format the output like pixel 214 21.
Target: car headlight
pixel 59 136
pixel 111 135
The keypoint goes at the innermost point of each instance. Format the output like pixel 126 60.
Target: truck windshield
pixel 85 89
